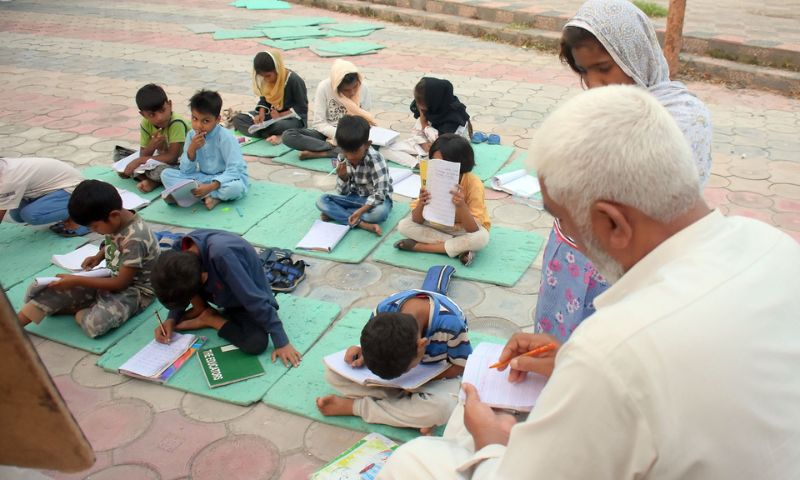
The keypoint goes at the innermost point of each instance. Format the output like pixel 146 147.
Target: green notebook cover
pixel 227 364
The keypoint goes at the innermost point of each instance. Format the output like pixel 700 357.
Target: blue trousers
pixel 339 208
pixel 233 190
pixel 49 208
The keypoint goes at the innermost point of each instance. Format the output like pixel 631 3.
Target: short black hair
pixel 571 38
pixel 263 63
pixel 151 98
pixel 352 133
pixel 419 90
pixel 348 80
pixel 93 201
pixel 206 101
pixel 454 148
pixel 176 278
pixel 389 343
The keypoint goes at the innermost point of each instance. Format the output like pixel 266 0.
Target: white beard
pixel 603 262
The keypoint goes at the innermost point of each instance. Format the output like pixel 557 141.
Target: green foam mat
pixel 247 139
pixel 268 5
pixel 290 44
pixel 316 164
pixel 109 175
pixel 287 225
pixel 296 22
pixel 27 250
pixel 503 262
pixel 350 47
pixel 298 390
pixel 304 319
pixel 63 329
pixel 293 33
pixel 237 217
pixel 359 33
pixel 262 148
pixel 489 159
pixel 355 27
pixel 235 34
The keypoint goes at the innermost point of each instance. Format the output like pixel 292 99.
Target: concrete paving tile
pixel 786 205
pixel 245 457
pixel 116 423
pixel 126 472
pixel 758 214
pixel 7 142
pixel 56 151
pixel 157 396
pixel 326 441
pixel 59 359
pixel 283 429
pixel 209 410
pixel 88 374
pixel 80 399
pixel 750 200
pixel 353 276
pixel 300 466
pixel 745 185
pixel 515 213
pixel 785 190
pixel 290 175
pixel 343 298
pixel 506 304
pixel 787 221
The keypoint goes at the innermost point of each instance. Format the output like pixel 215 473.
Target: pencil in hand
pixel 533 353
pixel 161 324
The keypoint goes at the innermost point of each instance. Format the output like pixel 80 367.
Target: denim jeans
pixel 339 208
pixel 49 208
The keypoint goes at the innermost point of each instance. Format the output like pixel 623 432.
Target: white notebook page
pixel 442 178
pixel 155 357
pixel 412 379
pixel 323 236
pixel 72 260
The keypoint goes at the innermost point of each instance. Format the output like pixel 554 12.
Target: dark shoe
pixel 405 244
pixel 61 229
pixel 467 258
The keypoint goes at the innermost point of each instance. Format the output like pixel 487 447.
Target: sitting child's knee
pixel 254 345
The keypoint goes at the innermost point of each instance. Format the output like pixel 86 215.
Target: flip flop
pixel 60 229
pixel 493 139
pixel 479 137
pixel 467 258
pixel 405 244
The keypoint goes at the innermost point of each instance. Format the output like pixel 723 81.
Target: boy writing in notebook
pixel 162 133
pixel 212 158
pixel 130 249
pixel 408 328
pixel 218 267
pixel 363 183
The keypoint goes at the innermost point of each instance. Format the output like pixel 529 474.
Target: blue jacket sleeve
pixel 259 304
pixel 235 168
pixel 186 165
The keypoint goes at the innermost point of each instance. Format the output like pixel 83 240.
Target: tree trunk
pixel 673 39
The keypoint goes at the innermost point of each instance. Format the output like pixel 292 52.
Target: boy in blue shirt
pixel 213 157
pixel 220 268
pixel 408 328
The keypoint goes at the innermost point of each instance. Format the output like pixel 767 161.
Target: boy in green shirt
pixel 163 133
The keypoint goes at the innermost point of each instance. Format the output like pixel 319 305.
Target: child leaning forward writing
pixel 408 328
pixel 213 158
pixel 471 230
pixel 129 249
pixel 363 183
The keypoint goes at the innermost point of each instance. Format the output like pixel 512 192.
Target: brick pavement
pixel 70 72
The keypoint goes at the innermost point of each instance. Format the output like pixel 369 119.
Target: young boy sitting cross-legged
pixel 221 268
pixel 363 183
pixel 213 157
pixel 408 328
pixel 130 249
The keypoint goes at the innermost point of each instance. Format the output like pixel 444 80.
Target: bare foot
pixel 71 224
pixel 426 431
pixel 274 139
pixel 371 227
pixel 208 318
pixel 169 199
pixel 146 185
pixel 211 202
pixel 324 217
pixel 306 154
pixel 335 406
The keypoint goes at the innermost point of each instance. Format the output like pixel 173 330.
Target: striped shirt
pixel 370 178
pixel 447 326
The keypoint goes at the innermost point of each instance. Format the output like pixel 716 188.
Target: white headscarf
pixel 628 36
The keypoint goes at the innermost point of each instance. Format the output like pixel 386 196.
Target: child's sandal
pixel 467 258
pixel 405 244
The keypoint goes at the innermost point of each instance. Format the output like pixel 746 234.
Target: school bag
pixel 438 279
pixel 283 274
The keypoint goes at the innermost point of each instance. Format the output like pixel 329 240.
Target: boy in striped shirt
pixel 408 328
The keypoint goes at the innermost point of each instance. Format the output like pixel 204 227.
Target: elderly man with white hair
pixel 689 367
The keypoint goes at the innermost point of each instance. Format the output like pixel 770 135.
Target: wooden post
pixel 673 38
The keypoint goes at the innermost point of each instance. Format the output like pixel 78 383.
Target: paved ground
pixel 70 71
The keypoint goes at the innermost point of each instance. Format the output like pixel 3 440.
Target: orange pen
pixel 533 353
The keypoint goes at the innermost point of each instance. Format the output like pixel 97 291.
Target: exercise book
pixel 39 283
pixel 262 148
pixel 157 362
pixel 63 329
pixel 411 380
pixel 489 159
pixel 304 319
pixel 286 226
pixel 405 182
pixel 503 262
pixel 73 260
pixel 108 175
pixel 237 216
pixel 519 163
pixel 28 249
pixel 323 236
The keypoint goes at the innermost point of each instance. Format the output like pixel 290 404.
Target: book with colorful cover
pixel 157 362
pixel 362 461
pixel 172 369
pixel 227 364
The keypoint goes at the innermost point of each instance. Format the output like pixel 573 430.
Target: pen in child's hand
pixel 161 324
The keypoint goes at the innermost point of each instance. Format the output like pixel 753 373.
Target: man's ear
pixel 611 226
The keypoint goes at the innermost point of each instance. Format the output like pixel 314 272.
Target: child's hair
pixel 454 148
pixel 574 37
pixel 347 80
pixel 419 90
pixel 206 101
pixel 263 63
pixel 93 201
pixel 176 278
pixel 389 343
pixel 352 133
pixel 150 98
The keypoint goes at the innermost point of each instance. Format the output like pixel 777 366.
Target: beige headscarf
pixel 273 92
pixel 339 69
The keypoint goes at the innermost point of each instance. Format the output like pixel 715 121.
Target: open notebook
pixel 411 380
pixel 72 261
pixel 382 136
pixel 493 386
pixel 181 192
pixel 155 359
pixel 150 164
pixel 132 201
pixel 266 123
pixel 122 163
pixel 323 236
pixel 405 182
pixel 517 182
pixel 40 283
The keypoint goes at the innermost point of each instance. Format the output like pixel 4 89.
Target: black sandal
pixel 467 258
pixel 405 244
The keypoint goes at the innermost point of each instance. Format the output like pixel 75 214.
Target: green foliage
pixel 651 9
